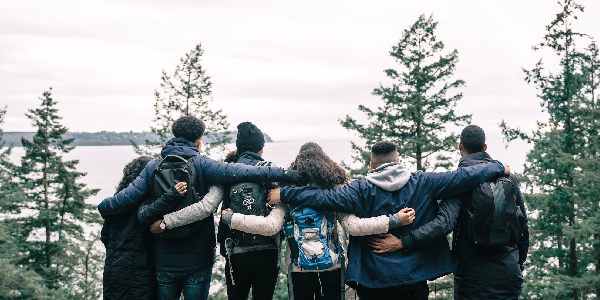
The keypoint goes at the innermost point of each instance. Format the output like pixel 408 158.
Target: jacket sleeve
pixel 523 238
pixel 446 185
pixel 130 197
pixel 345 199
pixel 364 226
pixel 441 226
pixel 216 172
pixel 267 226
pixel 149 213
pixel 196 211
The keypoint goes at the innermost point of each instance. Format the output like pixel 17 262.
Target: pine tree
pixel 561 171
pixel 16 282
pixel 186 92
pixel 52 234
pixel 416 107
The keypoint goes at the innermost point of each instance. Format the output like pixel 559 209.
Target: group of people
pixel 397 221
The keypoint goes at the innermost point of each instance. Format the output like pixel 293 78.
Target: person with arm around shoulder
pixel 386 189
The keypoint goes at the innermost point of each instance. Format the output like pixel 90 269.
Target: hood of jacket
pixel 179 146
pixel 249 158
pixel 390 177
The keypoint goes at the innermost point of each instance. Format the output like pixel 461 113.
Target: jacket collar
pixel 179 146
pixel 474 158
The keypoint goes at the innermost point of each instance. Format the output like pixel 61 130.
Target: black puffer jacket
pixel 129 263
pixel 128 269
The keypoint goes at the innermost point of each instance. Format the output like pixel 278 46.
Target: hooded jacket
pixel 480 272
pixel 196 252
pixel 386 190
pixel 488 272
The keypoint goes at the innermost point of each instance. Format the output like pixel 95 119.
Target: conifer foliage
pixel 417 107
pixel 561 171
pixel 186 92
pixel 50 229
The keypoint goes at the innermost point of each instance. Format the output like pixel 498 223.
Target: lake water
pixel 104 164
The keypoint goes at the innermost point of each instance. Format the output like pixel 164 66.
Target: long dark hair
pixel 132 170
pixel 321 170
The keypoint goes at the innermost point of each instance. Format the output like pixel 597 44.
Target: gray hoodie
pixel 390 176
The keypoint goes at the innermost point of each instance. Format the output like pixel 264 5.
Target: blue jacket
pixel 197 252
pixel 419 191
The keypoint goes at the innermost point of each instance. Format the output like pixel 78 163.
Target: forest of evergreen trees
pixel 49 235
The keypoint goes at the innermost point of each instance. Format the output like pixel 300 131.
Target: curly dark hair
pixel 189 128
pixel 132 170
pixel 321 170
pixel 231 157
pixel 472 138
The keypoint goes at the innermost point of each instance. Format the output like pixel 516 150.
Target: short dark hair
pixel 383 152
pixel 189 128
pixel 473 139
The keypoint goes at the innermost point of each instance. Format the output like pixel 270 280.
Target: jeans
pixel 416 291
pixel 255 269
pixel 194 284
pixel 325 285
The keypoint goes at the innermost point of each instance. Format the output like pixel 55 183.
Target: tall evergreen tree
pixel 416 108
pixel 16 282
pixel 561 171
pixel 186 92
pixel 52 234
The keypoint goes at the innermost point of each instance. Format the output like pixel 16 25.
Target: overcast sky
pixel 292 67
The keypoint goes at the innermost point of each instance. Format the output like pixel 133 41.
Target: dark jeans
pixel 194 285
pixel 417 291
pixel 317 285
pixel 257 269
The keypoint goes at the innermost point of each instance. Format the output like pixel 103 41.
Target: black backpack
pixel 492 214
pixel 171 170
pixel 250 199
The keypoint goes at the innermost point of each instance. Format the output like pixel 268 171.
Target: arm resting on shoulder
pixel 346 199
pixel 267 226
pixel 442 225
pixel 217 172
pixel 446 185
pixel 149 213
pixel 130 197
pixel 364 226
pixel 197 211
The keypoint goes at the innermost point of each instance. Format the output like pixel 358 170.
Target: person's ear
pixel 372 165
pixel 198 143
pixel 461 147
pixel 484 147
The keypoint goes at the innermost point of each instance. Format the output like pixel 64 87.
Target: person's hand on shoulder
pixel 295 177
pixel 273 196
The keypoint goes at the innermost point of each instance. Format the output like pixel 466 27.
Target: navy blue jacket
pixel 197 252
pixel 363 198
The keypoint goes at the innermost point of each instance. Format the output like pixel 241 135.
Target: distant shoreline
pixel 103 138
